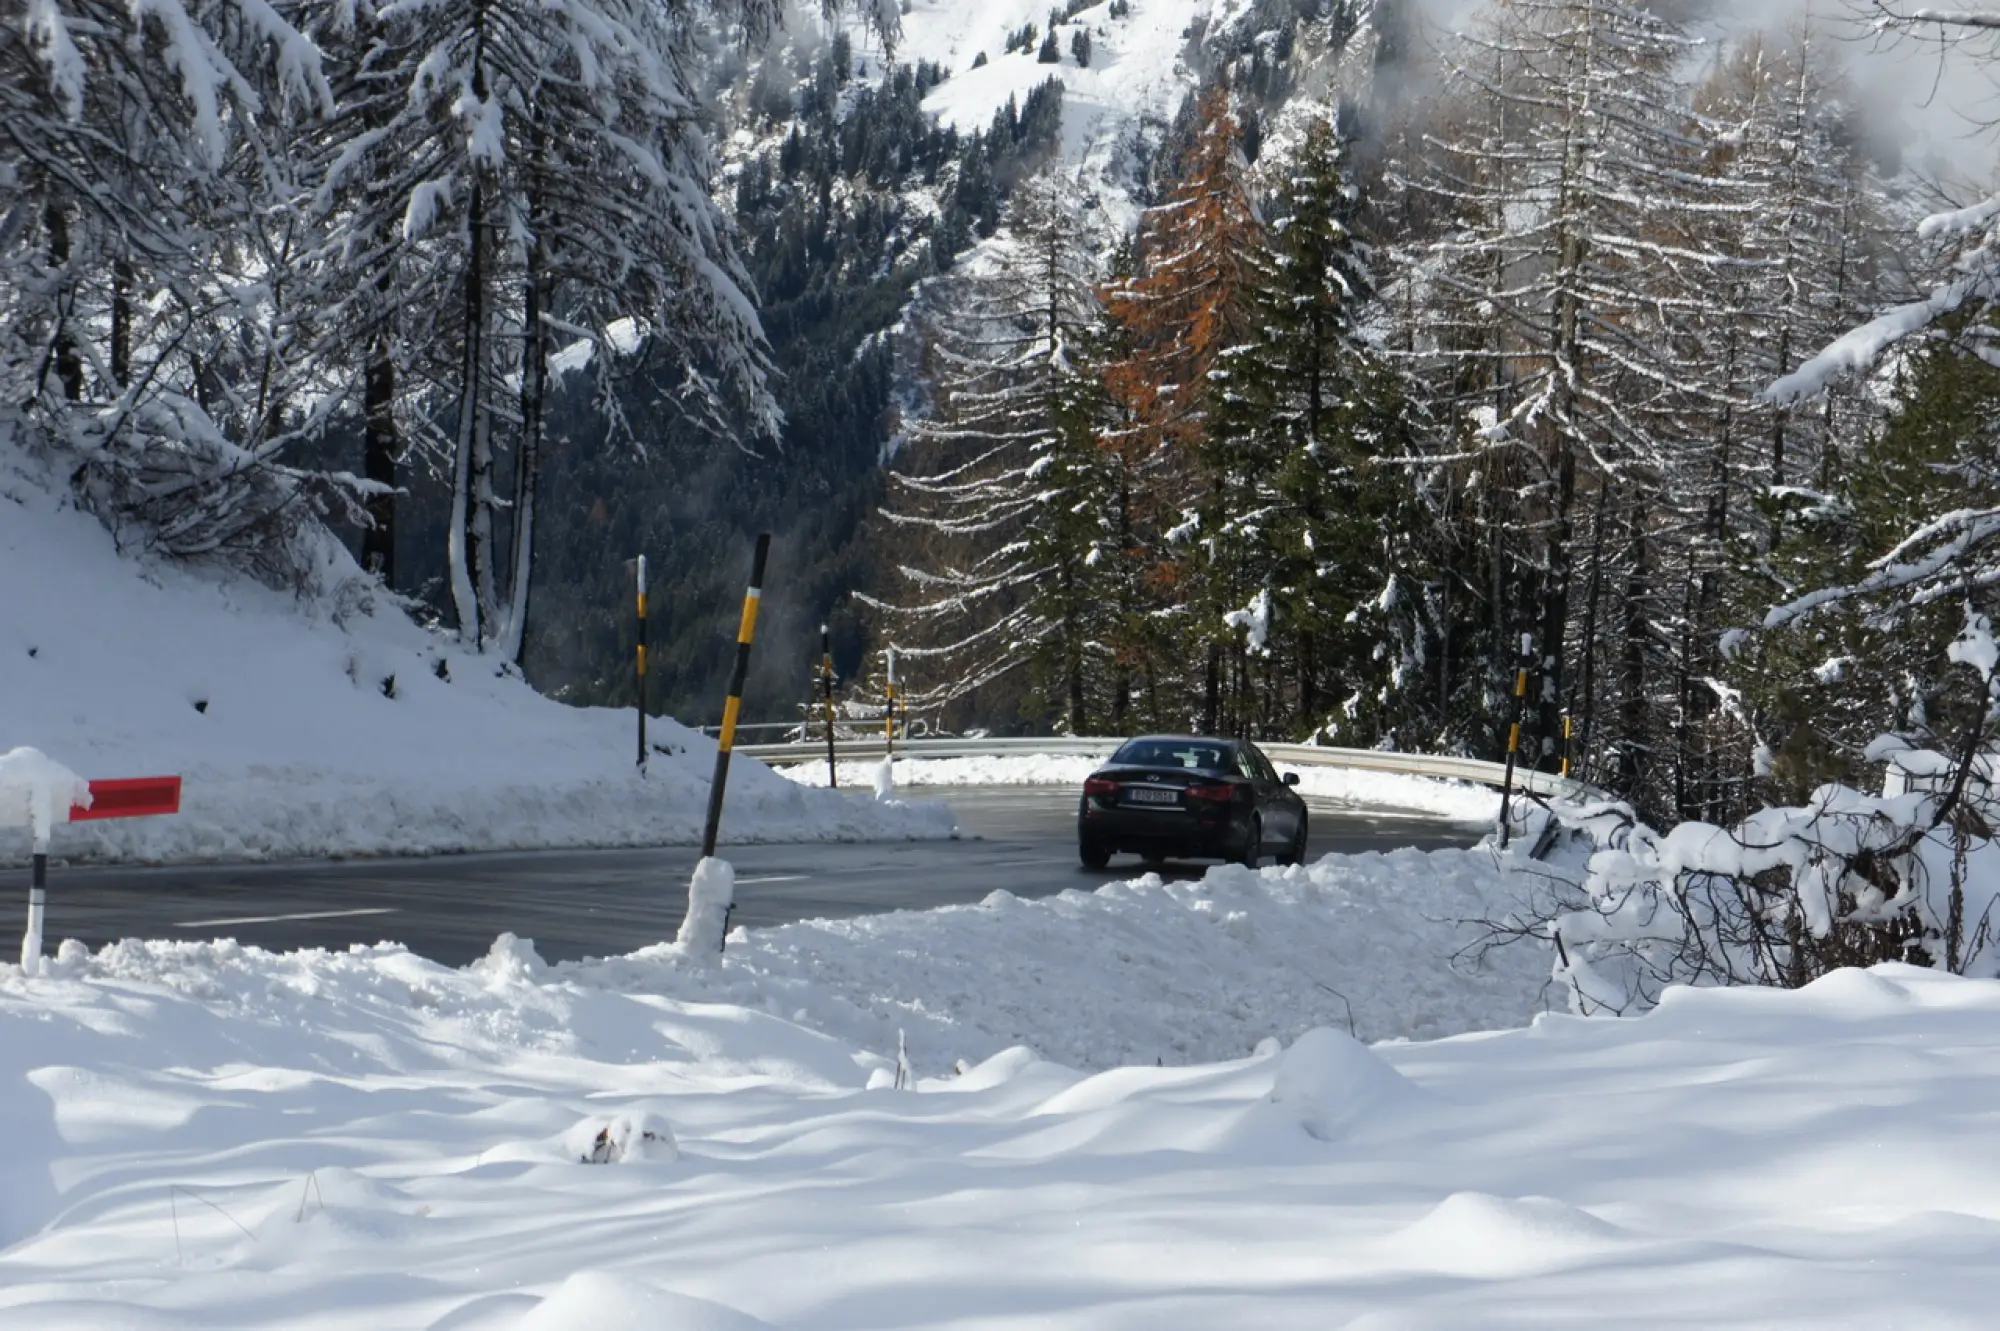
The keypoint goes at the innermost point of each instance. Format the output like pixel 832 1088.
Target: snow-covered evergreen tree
pixel 1306 411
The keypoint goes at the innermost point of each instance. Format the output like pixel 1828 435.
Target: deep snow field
pixel 202 1137
pixel 277 715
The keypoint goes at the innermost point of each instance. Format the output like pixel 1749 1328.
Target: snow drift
pixel 202 1136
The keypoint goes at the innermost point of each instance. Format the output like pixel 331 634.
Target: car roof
pixel 1182 739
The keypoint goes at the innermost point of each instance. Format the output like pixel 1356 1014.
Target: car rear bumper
pixel 1164 831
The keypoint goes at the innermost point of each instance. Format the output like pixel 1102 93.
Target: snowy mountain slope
pixel 1145 58
pixel 330 727
pixel 1137 75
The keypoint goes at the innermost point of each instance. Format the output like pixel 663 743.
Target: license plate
pixel 1152 795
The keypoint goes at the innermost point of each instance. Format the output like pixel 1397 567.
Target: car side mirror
pixel 1291 778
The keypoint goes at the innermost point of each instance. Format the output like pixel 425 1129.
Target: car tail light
pixel 1212 794
pixel 1098 785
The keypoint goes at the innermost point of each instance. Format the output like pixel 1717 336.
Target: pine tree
pixel 149 316
pixel 1306 410
pixel 1836 671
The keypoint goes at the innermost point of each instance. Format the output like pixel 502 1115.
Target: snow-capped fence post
pixel 826 686
pixel 38 792
pixel 1514 735
pixel 639 680
pixel 711 899
pixel 746 633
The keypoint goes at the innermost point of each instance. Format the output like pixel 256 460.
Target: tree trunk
pixel 536 297
pixel 378 459
pixel 1308 694
pixel 1555 609
pixel 471 518
pixel 1586 701
pixel 1632 743
pixel 68 360
pixel 121 324
pixel 1211 693
pixel 1072 648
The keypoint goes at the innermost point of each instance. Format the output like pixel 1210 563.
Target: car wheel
pixel 1253 845
pixel 1093 855
pixel 1296 852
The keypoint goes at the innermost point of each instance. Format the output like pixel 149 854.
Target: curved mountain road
pixel 576 903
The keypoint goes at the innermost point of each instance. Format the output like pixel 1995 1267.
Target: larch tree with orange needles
pixel 1180 313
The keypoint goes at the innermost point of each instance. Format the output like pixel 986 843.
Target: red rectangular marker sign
pixel 134 797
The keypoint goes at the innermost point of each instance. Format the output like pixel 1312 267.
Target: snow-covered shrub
pixel 1794 891
pixel 165 478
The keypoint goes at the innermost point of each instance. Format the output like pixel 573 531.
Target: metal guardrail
pixel 1294 755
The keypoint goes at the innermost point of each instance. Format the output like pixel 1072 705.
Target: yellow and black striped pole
pixel 826 684
pixel 889 712
pixel 1569 730
pixel 1514 734
pixel 746 633
pixel 639 680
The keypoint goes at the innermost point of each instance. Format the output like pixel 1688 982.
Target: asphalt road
pixel 577 903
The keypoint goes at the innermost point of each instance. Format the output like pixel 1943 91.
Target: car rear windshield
pixel 1190 754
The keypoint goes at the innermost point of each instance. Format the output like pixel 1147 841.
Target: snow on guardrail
pixel 1294 755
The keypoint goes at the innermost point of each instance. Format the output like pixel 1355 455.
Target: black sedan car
pixel 1189 796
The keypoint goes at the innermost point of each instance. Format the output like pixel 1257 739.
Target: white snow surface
pixel 273 710
pixel 1113 108
pixel 1456 800
pixel 197 1137
pixel 1143 970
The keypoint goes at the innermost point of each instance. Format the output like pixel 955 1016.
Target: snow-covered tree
pixel 995 505
pixel 1306 411
pixel 1559 328
pixel 148 317
pixel 519 180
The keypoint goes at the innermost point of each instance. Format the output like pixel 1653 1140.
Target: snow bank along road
pixel 603 903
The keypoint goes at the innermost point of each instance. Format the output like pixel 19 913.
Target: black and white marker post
pixel 39 794
pixel 38 906
pixel 826 685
